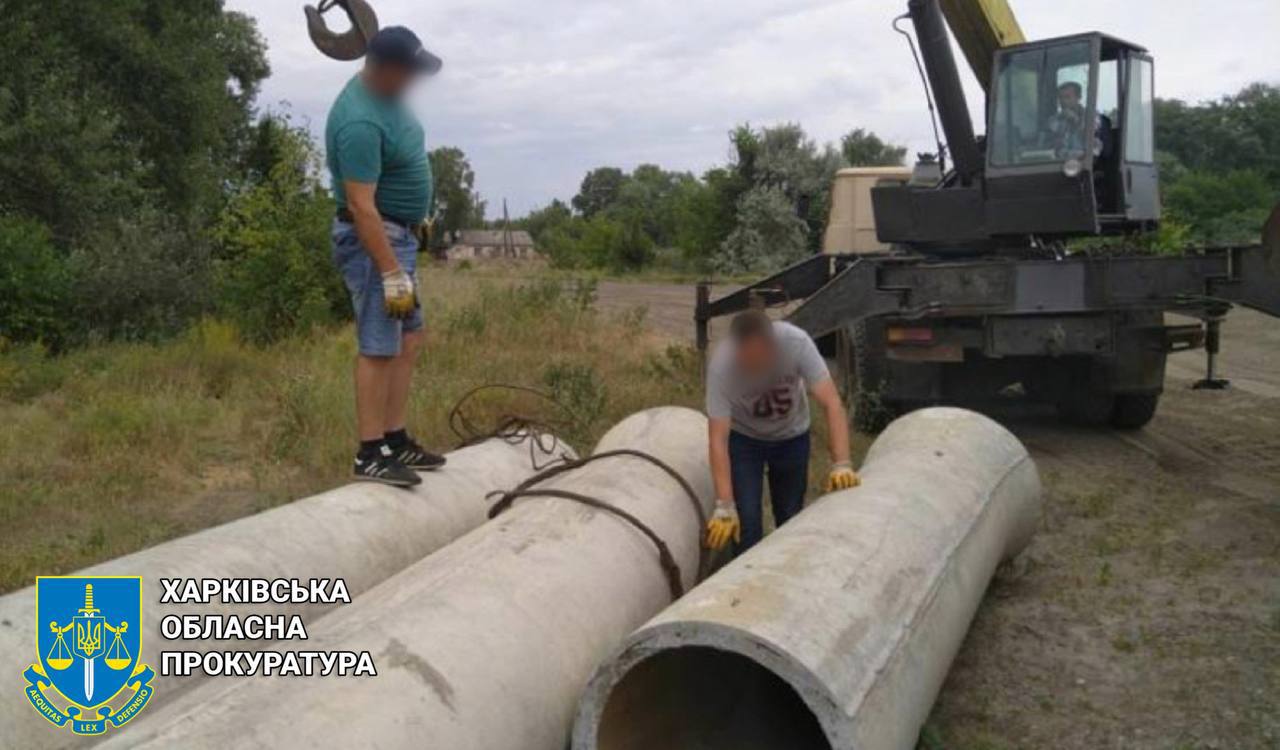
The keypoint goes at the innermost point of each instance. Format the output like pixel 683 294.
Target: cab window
pixel 1108 105
pixel 1041 111
pixel 1139 139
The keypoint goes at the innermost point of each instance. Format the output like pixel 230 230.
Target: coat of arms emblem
pixel 89 646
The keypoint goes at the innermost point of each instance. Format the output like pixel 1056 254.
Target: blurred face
pixel 755 355
pixel 1068 98
pixel 391 81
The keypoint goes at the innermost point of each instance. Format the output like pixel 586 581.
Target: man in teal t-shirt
pixel 382 182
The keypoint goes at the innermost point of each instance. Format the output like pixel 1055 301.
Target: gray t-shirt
pixel 772 406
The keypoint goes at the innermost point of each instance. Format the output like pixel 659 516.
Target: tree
pixel 63 159
pixel 122 127
pixel 458 205
pixel 648 195
pixel 143 275
pixel 768 235
pixel 600 189
pixel 783 157
pixel 701 218
pixel 543 220
pixel 1236 132
pixel 1220 163
pixel 727 186
pixel 169 86
pixel 268 279
pixel 271 140
pixel 1222 208
pixel 34 282
pixel 862 148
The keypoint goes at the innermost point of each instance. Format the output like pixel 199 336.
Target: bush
pixel 1225 208
pixel 27 372
pixel 494 310
pixel 600 236
pixel 632 248
pixel 1173 237
pixel 274 275
pixel 560 244
pixel 34 284
pixel 582 392
pixel 601 242
pixel 769 234
pixel 141 278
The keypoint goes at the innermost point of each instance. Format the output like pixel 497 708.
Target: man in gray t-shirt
pixel 757 402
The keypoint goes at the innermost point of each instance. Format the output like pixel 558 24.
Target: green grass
pixel 117 447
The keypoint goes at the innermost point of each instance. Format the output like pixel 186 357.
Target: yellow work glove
pixel 398 295
pixel 842 477
pixel 724 525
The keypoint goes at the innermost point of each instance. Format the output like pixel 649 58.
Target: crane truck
pixel 975 282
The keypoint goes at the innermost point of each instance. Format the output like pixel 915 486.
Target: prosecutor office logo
pixel 89 646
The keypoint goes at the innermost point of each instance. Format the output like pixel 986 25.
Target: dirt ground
pixel 1146 613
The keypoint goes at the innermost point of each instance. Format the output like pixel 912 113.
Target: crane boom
pixel 981 27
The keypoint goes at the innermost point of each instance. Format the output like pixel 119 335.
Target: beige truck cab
pixel 851 227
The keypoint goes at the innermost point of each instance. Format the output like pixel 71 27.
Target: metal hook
pixel 351 44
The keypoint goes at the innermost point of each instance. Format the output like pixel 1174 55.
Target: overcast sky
pixel 537 93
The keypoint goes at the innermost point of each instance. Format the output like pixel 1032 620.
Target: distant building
pixel 495 244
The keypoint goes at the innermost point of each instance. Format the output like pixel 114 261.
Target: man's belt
pixel 345 215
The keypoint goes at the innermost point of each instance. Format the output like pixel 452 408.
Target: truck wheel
pixel 871 412
pixel 1134 410
pixel 1042 386
pixel 1086 408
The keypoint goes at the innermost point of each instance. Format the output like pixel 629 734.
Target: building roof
pixel 494 238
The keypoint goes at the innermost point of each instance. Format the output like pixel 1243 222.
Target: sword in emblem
pixel 88 679
pixel 87 641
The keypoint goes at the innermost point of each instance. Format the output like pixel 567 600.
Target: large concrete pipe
pixel 837 631
pixel 486 644
pixel 362 533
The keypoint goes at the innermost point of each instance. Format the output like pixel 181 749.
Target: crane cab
pixel 1069 150
pixel 1070 145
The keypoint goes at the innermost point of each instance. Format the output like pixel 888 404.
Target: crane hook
pixel 351 44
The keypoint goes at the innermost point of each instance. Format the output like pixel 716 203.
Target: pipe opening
pixel 700 698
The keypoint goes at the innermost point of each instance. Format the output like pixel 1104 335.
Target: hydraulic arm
pixel 981 27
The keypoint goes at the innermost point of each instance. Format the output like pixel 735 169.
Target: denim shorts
pixel 377 334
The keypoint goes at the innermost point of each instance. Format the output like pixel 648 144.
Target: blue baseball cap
pixel 396 45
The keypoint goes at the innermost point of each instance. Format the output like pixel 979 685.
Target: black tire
pixel 870 412
pixel 1132 411
pixel 1086 408
pixel 1041 387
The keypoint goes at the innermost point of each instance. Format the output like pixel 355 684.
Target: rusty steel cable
pixel 540 432
pixel 667 561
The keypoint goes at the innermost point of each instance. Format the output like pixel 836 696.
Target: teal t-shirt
pixel 376 140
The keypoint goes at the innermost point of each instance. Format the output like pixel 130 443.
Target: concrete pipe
pixel 486 644
pixel 838 630
pixel 362 533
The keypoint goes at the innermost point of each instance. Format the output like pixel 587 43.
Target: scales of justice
pixel 88 627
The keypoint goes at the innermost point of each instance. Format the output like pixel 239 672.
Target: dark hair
pixel 749 325
pixel 1073 85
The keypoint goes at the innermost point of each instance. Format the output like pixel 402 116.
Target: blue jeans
pixel 377 334
pixel 787 462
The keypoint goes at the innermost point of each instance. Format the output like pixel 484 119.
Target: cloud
pixel 538 93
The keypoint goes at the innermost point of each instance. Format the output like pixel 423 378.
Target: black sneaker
pixel 384 468
pixel 415 456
